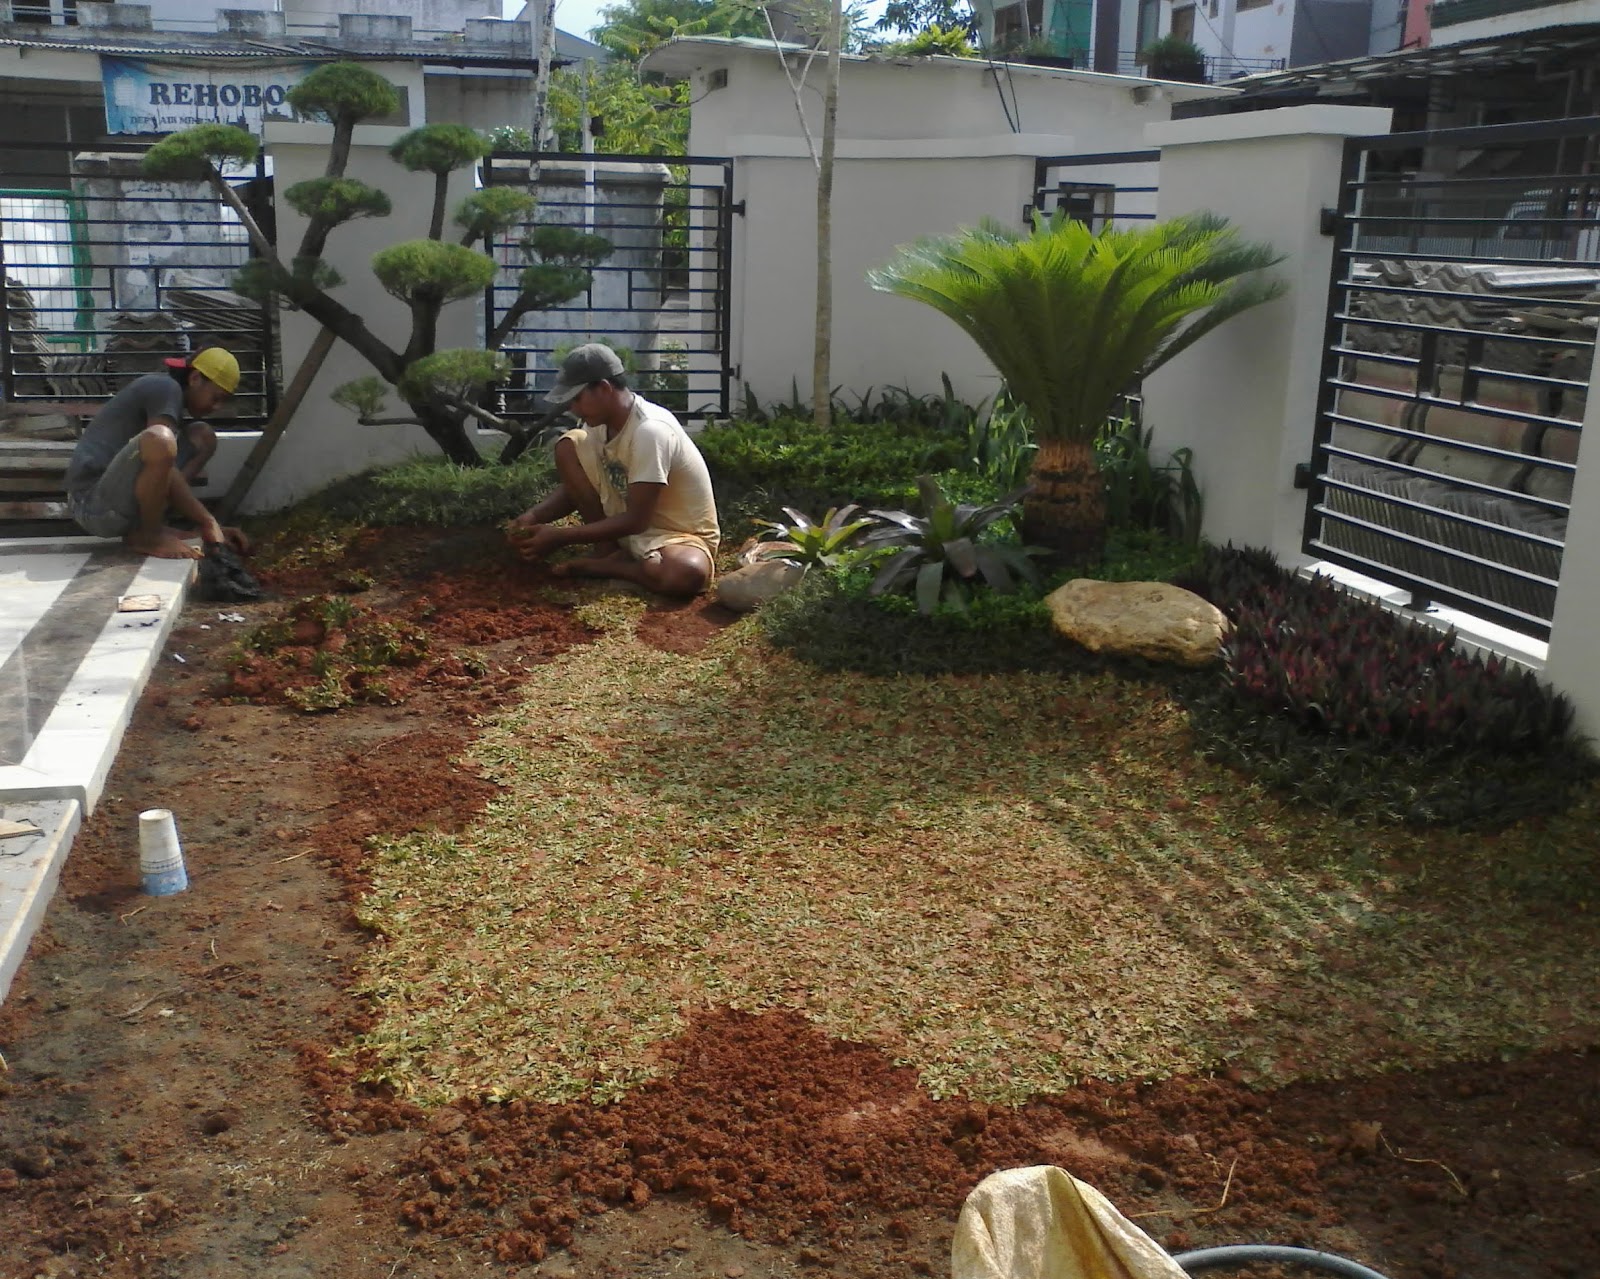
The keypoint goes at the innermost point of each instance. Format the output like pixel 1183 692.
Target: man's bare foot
pixel 620 564
pixel 168 544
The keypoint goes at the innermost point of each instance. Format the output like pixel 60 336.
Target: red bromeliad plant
pixel 1304 650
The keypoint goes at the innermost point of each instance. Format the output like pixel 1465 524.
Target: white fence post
pixel 1244 398
pixel 1573 660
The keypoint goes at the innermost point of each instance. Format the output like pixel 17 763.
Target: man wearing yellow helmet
pixel 136 458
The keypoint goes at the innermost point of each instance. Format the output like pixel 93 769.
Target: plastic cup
pixel 160 854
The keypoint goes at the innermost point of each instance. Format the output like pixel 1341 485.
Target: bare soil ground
pixel 170 1104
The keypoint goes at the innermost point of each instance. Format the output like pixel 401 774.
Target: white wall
pixel 935 99
pixel 324 441
pixel 479 100
pixel 60 66
pixel 1573 661
pixel 197 15
pixel 878 340
pixel 1266 32
pixel 426 15
pixel 924 149
pixel 1244 398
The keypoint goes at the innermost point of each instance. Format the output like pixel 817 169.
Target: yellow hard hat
pixel 218 365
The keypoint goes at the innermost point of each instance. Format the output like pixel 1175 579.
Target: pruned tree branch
pixel 795 86
pixel 230 197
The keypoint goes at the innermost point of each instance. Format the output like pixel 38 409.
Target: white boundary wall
pixel 1245 397
pixel 926 146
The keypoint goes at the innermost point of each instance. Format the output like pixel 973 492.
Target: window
pixel 1149 22
pixel 62 13
pixel 43 253
pixel 1010 26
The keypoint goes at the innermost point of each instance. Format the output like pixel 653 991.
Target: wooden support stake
pixel 273 431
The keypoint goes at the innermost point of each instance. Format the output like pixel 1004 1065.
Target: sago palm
pixel 1073 320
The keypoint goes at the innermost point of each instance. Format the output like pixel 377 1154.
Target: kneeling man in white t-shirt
pixel 635 479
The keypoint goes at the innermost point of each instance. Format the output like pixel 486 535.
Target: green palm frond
pixel 1072 319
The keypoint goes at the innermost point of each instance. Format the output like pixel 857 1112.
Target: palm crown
pixel 1072 319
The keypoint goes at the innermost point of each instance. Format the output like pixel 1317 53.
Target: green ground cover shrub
pixel 1354 708
pixel 834 622
pixel 1142 493
pixel 760 466
pixel 435 491
pixel 422 490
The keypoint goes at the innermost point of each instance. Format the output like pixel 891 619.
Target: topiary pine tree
pixel 440 388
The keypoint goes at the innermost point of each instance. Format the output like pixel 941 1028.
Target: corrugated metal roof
pixel 685 55
pixel 1481 56
pixel 160 44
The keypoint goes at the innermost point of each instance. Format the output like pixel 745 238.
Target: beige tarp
pixel 1043 1223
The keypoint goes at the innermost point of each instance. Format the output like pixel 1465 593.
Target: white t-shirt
pixel 652 448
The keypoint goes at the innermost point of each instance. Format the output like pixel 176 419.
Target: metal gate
pixel 1460 337
pixel 661 297
pixel 1107 188
pixel 107 273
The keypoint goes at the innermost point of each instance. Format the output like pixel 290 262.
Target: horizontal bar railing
pixel 1444 456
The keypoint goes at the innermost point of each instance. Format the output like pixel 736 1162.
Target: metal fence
pixel 1456 369
pixel 107 273
pixel 1219 67
pixel 662 295
pixel 1109 188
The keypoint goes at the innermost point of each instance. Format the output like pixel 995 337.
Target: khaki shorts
pixel 643 545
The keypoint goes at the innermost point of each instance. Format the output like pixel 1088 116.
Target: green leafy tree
pixel 951 42
pixel 639 117
pixel 441 389
pixel 1073 320
pixel 913 17
pixel 631 30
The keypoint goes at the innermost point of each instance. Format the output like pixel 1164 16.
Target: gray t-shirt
pixel 121 418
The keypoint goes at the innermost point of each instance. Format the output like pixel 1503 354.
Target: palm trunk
pixel 1065 511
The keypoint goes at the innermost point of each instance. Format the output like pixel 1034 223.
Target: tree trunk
pixel 822 345
pixel 449 432
pixel 1065 510
pixel 541 83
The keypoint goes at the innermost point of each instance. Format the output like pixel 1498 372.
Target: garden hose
pixel 1249 1253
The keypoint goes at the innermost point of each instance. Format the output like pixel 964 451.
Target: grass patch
pixel 1010 884
pixel 425 490
pixel 760 466
pixel 436 491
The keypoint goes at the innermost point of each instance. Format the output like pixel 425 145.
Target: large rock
pixel 1153 620
pixel 753 585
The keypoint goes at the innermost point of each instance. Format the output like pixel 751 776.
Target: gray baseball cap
pixel 591 362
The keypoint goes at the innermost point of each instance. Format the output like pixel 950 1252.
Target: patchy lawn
pixel 1012 884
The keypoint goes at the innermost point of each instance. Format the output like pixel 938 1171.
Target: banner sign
pixel 163 97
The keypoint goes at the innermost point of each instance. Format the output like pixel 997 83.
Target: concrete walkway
pixel 72 665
